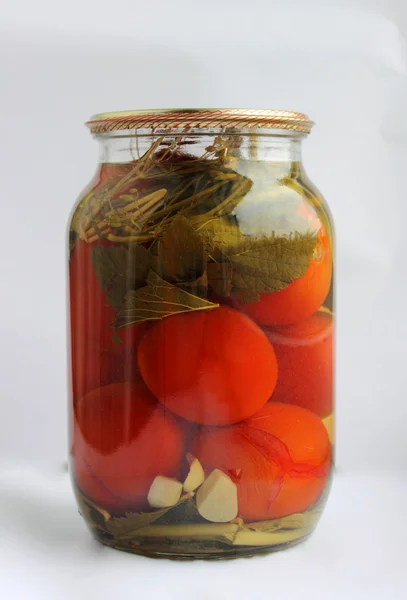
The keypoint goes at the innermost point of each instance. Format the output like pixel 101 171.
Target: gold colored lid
pixel 200 118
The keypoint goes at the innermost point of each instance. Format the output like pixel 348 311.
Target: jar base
pixel 186 552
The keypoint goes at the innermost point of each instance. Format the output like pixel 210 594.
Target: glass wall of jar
pixel 202 323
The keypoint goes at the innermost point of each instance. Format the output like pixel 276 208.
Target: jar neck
pixel 281 147
pixel 272 148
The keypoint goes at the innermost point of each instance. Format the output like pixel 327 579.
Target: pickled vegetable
pixel 279 460
pixel 201 350
pixel 302 297
pixel 123 440
pixel 212 368
pixel 305 360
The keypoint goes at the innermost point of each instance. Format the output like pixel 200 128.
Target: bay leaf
pixel 157 300
pixel 181 252
pixel 119 269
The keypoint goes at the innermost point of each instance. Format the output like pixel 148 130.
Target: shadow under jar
pixel 202 321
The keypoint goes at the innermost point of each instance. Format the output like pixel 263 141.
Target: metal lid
pixel 200 118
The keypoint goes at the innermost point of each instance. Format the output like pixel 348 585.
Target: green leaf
pixel 269 264
pixel 181 252
pixel 246 295
pixel 94 515
pixel 221 198
pixel 125 527
pixel 220 278
pixel 183 512
pixel 119 269
pixel 198 287
pixel 157 300
pixel 294 521
pixel 219 232
pixel 247 266
pixel 239 190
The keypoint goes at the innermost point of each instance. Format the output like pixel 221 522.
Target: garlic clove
pixel 216 499
pixel 164 492
pixel 196 475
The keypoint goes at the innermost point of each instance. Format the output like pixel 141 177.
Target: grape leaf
pixel 181 252
pixel 246 295
pixel 219 232
pixel 119 270
pixel 182 513
pixel 220 278
pixel 157 300
pixel 94 515
pixel 269 264
pixel 124 527
pixel 246 266
pixel 198 287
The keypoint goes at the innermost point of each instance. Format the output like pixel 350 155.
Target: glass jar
pixel 201 319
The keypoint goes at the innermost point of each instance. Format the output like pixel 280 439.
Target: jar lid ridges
pixel 200 118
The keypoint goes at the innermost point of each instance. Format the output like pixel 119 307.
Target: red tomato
pixel 212 368
pixel 279 459
pixel 95 366
pixel 305 363
pixel 97 359
pixel 301 298
pixel 91 314
pixel 122 439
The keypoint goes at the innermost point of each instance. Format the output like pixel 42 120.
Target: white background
pixel 345 64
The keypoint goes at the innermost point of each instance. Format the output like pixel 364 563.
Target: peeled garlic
pixel 164 492
pixel 216 499
pixel 196 475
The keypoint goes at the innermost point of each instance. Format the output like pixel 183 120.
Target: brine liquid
pixel 202 332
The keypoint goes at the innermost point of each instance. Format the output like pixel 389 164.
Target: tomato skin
pixel 122 439
pixel 279 459
pixel 301 298
pixel 213 368
pixel 304 354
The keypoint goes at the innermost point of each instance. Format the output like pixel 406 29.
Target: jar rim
pixel 200 118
